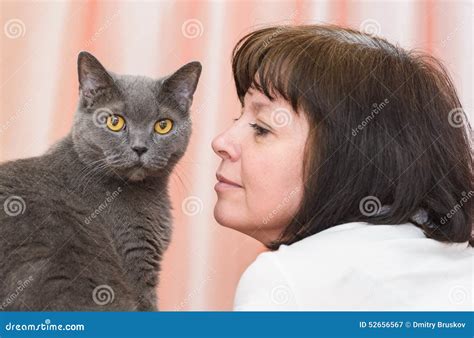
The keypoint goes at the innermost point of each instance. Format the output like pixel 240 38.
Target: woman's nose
pixel 225 147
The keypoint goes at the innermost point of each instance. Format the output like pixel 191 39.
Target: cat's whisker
pixel 91 174
pixel 184 190
pixel 92 164
pixel 88 168
pixel 105 173
pixel 96 178
pixel 181 170
pixel 193 162
pixel 175 174
pixel 89 165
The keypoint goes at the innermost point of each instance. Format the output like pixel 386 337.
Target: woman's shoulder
pixel 269 283
pixel 358 231
pixel 264 286
pixel 342 259
pixel 353 244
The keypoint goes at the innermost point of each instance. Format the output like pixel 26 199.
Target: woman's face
pixel 262 159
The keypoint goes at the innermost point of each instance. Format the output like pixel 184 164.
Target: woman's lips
pixel 225 183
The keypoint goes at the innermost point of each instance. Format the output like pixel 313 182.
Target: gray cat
pixel 84 226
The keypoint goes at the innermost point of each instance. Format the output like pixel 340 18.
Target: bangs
pixel 271 61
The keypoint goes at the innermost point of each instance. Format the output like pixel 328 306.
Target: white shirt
pixel 364 267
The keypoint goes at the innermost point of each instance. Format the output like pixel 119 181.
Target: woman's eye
pixel 259 131
pixel 115 122
pixel 163 126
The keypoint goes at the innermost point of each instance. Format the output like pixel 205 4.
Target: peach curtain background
pixel 39 46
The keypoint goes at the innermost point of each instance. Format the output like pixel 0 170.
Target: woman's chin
pixel 229 218
pixel 222 217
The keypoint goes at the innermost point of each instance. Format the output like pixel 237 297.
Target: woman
pixel 351 162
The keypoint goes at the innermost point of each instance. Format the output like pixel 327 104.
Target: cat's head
pixel 133 126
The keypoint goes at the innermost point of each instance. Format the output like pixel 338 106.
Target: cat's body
pixel 94 216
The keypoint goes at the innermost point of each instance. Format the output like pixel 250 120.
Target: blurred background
pixel 40 41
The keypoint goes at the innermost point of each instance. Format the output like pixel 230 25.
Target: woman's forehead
pixel 257 99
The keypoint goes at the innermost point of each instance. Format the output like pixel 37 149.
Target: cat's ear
pixel 94 81
pixel 182 84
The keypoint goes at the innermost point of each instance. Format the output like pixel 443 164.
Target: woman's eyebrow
pixel 256 106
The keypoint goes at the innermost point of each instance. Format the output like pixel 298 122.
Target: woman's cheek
pixel 267 201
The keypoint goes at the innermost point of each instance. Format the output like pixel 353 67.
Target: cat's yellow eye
pixel 115 122
pixel 163 126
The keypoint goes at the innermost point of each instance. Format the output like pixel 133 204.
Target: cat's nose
pixel 140 150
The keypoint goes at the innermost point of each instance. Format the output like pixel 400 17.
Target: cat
pixel 84 226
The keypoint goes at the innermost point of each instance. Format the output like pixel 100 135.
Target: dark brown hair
pixel 387 129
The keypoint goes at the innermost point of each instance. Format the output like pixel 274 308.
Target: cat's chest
pixel 124 205
pixel 140 224
pixel 139 214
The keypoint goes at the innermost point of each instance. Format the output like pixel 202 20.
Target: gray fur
pixel 84 226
